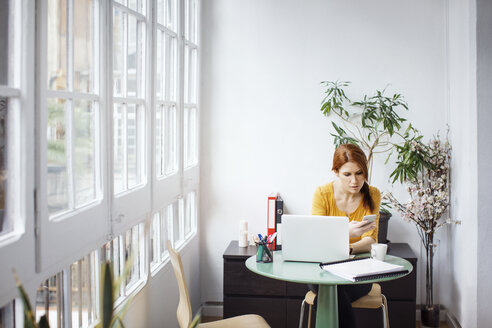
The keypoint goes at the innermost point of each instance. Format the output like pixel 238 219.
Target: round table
pixel 311 273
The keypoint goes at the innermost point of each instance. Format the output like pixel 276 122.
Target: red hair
pixel 352 153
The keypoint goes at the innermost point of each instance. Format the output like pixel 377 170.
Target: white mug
pixel 378 251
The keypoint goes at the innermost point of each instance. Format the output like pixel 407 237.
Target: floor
pixel 208 319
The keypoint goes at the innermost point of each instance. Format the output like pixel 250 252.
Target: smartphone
pixel 369 218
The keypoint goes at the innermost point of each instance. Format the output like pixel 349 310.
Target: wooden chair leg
pixel 309 316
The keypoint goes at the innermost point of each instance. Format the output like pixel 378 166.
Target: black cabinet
pixel 279 302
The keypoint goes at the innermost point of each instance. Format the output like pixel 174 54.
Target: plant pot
pixel 429 315
pixel 383 227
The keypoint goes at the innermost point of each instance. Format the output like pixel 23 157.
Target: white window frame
pixel 20 240
pixel 124 213
pixel 167 187
pixel 77 230
pixel 191 173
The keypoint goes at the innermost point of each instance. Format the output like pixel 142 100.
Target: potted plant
pixel 375 124
pixel 427 208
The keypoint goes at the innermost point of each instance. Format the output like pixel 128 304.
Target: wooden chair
pixel 184 313
pixel 373 300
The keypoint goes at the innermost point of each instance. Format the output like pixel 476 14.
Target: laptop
pixel 313 238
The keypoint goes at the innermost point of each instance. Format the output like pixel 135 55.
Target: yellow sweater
pixel 324 204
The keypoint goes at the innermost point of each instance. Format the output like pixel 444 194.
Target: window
pixel 10 124
pixel 190 214
pixel 72 98
pixel 190 64
pixel 71 140
pixel 8 315
pixel 126 252
pixel 111 252
pixel 113 101
pixel 129 50
pixel 166 110
pixel 84 291
pixel 50 300
pixel 17 160
pixel 158 238
pixel 175 223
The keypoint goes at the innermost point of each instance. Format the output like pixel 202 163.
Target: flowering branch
pixel 429 192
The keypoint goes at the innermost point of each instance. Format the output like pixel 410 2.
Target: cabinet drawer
pixel 402 314
pixel 238 280
pixel 403 289
pixel 296 290
pixel 272 309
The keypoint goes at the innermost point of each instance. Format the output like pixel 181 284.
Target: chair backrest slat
pixel 183 313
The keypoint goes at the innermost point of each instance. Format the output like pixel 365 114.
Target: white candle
pixel 243 238
pixel 243 225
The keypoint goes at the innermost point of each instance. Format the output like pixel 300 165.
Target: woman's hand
pixel 357 228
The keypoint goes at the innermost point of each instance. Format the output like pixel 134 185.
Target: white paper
pixel 353 269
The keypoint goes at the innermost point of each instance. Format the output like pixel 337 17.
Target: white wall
pixel 484 120
pixel 262 130
pixel 460 271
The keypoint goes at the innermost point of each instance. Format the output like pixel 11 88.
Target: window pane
pixel 137 5
pixel 3 164
pixel 154 239
pixel 83 292
pixel 83 31
pixel 84 157
pixel 193 76
pixel 57 45
pixel 177 219
pixel 132 253
pixel 49 300
pixel 119 20
pixel 190 142
pixel 189 212
pixel 166 140
pixel 119 141
pixel 171 138
pixel 171 68
pixel 160 11
pixel 193 21
pixel 159 140
pixel 171 14
pixel 163 235
pixel 132 4
pixel 190 75
pixel 170 224
pixel 111 252
pixel 186 77
pixel 133 146
pixel 4 41
pixel 132 57
pixel 159 78
pixel 7 313
pixel 57 182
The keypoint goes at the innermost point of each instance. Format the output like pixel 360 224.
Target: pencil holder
pixel 264 254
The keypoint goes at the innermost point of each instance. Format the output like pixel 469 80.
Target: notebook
pixel 363 269
pixel 313 238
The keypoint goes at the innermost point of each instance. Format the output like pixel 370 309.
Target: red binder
pixel 271 210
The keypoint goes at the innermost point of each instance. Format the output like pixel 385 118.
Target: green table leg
pixel 327 310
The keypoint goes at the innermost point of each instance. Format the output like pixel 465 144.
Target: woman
pixel 350 196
